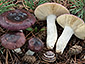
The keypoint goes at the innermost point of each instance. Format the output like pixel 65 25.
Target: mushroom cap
pixel 16 19
pixel 80 32
pixel 13 40
pixel 43 10
pixel 35 44
pixel 69 20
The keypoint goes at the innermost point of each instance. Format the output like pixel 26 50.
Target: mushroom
pixel 49 56
pixel 70 23
pixel 49 12
pixel 16 20
pixel 13 40
pixel 35 45
pixel 19 0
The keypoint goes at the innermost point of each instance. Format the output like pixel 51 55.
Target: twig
pixel 24 5
pixel 33 35
pixel 75 59
pixel 4 51
pixel 44 62
pixel 0 62
pixel 2 30
pixel 11 57
pixel 29 38
pixel 16 58
pixel 7 56
pixel 29 33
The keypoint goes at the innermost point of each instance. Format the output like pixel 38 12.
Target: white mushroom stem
pixel 64 39
pixel 29 52
pixel 51 31
pixel 21 30
pixel 18 50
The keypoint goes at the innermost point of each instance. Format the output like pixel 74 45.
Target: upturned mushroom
pixel 15 20
pixel 34 45
pixel 49 56
pixel 70 24
pixel 49 12
pixel 13 40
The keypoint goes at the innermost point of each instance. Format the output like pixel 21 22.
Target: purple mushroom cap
pixel 35 44
pixel 13 40
pixel 17 19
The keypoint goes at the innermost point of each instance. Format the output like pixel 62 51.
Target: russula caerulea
pixel 49 12
pixel 49 56
pixel 34 45
pixel 17 19
pixel 13 40
pixel 70 24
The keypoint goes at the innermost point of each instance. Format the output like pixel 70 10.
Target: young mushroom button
pixel 34 45
pixel 13 40
pixel 50 11
pixel 70 24
pixel 16 20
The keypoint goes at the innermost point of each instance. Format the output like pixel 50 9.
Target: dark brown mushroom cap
pixel 35 44
pixel 13 40
pixel 17 19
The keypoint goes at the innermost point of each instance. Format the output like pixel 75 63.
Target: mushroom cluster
pixel 15 20
pixel 19 19
pixel 71 24
pixel 49 12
